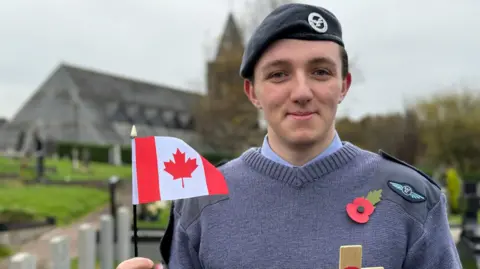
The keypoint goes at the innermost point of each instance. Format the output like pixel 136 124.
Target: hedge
pixel 99 153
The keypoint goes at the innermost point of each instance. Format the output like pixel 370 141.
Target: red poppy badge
pixel 361 208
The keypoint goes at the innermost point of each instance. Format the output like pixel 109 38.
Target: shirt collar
pixel 267 151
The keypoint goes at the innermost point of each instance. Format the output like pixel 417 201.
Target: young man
pixel 297 199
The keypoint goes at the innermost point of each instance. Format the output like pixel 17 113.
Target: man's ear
pixel 347 82
pixel 250 92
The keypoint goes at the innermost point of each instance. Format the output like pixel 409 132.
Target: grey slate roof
pixel 94 85
pixel 88 106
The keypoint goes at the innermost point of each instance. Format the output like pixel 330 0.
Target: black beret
pixel 290 21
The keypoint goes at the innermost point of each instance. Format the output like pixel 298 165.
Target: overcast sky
pixel 404 49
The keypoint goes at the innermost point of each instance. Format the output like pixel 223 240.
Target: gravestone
pixel 23 260
pixel 75 163
pixel 115 155
pixel 60 252
pixel 106 242
pixel 123 234
pixel 86 247
pixel 86 158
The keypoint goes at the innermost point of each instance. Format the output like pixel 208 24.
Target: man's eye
pixel 277 75
pixel 321 72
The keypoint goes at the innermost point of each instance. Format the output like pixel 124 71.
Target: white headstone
pixel 75 161
pixel 86 247
pixel 60 252
pixel 123 234
pixel 23 260
pixel 116 155
pixel 106 241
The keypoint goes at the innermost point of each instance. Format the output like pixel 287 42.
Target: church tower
pixel 234 113
pixel 223 72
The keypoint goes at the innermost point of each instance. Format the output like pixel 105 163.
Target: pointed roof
pixel 103 86
pixel 231 34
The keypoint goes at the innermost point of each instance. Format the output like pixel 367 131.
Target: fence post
pixel 23 260
pixel 123 234
pixel 86 247
pixel 60 252
pixel 106 242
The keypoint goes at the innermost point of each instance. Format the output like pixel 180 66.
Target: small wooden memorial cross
pixel 351 258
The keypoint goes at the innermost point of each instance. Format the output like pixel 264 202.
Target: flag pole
pixel 133 134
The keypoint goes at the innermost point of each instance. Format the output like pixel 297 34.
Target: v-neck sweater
pixel 276 216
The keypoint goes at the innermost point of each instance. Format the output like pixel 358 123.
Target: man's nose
pixel 302 92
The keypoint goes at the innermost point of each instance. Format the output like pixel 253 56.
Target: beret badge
pixel 317 22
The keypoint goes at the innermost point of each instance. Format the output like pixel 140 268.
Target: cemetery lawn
pixel 66 204
pixel 63 170
pixel 5 251
pixel 96 171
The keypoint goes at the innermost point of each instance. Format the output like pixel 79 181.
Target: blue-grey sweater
pixel 277 216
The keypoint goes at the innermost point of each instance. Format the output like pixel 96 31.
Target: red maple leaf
pixel 180 168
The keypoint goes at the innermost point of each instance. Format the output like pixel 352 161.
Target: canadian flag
pixel 167 168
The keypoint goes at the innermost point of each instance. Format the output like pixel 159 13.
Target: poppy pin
pixel 362 207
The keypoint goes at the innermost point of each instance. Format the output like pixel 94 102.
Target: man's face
pixel 298 85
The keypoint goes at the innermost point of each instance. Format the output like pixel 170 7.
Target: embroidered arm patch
pixel 407 192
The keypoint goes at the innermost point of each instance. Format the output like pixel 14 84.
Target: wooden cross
pixel 351 257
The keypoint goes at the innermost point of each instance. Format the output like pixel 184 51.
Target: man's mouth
pixel 301 115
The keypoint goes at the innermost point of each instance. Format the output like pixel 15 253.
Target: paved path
pixel 41 247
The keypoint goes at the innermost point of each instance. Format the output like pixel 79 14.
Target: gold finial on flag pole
pixel 133 132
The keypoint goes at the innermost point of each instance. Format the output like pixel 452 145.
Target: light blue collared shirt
pixel 267 151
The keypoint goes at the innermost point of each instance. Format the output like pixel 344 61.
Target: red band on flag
pixel 216 183
pixel 148 185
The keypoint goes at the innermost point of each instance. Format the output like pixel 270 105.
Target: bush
pixel 98 153
pixel 11 215
pixel 471 177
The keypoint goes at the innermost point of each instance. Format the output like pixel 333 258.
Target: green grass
pixel 5 251
pixel 66 204
pixel 64 170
